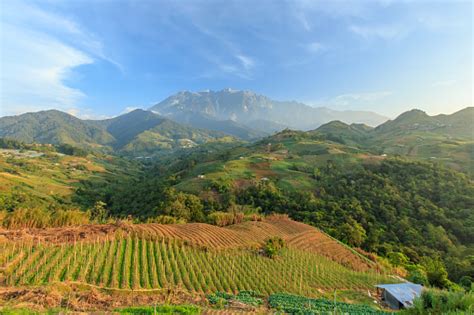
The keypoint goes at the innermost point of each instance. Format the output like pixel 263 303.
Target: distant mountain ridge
pixel 445 138
pixel 246 107
pixel 135 133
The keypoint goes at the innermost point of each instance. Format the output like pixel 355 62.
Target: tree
pixel 436 273
pixel 397 258
pixel 352 233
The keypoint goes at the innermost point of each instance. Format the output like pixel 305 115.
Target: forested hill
pixel 448 139
pixel 138 133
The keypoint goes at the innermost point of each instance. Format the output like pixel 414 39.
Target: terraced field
pixel 246 235
pixel 141 263
pixel 194 258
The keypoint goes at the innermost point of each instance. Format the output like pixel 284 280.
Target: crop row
pixel 140 263
pixel 295 304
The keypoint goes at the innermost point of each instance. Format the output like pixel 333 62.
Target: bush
pixel 434 301
pixel 220 218
pixel 273 246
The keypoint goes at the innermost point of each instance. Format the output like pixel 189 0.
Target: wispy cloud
pixel 444 83
pixel 316 47
pixel 40 51
pixel 247 62
pixel 366 97
pixel 386 32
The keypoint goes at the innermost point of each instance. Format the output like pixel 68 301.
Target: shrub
pixel 220 218
pixel 434 301
pixel 273 246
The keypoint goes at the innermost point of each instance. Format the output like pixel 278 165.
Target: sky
pixel 100 58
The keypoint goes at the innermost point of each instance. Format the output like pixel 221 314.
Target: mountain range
pixel 187 119
pixel 255 111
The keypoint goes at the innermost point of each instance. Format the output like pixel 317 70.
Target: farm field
pixel 188 258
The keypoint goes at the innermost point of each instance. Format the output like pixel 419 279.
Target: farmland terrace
pixel 196 259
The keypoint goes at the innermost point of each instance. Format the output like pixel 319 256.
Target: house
pixel 399 295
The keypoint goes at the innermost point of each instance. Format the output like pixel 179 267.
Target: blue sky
pixel 100 58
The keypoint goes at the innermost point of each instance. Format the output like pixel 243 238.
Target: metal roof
pixel 403 292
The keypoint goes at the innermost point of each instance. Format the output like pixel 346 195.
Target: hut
pixel 399 295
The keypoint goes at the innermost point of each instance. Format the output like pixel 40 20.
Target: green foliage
pixel 273 246
pixel 442 302
pixel 248 297
pixel 394 206
pixel 294 304
pixel 160 309
pixel 99 212
pixel 397 258
pixel 416 274
pixel 352 233
pixel 436 273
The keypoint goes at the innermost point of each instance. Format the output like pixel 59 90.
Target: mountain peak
pixel 414 113
pixel 247 107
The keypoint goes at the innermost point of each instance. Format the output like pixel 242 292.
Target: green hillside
pixel 46 177
pixel 54 127
pixel 138 133
pixel 445 139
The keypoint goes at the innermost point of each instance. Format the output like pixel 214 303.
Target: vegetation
pixel 138 133
pixel 442 302
pixel 221 299
pixel 160 309
pixel 147 263
pixel 294 304
pixel 273 246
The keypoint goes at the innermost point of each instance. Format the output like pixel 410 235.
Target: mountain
pixel 135 133
pixel 230 127
pixel 449 139
pixel 53 126
pixel 246 107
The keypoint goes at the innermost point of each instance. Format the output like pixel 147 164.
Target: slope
pixel 195 258
pixel 445 139
pixel 136 133
pixel 54 127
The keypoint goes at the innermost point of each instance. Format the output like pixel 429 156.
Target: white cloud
pixel 444 83
pixel 367 97
pixel 316 47
pixel 385 32
pixel 40 51
pixel 246 61
pixel 34 69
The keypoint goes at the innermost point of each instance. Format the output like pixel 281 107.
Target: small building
pixel 201 176
pixel 399 295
